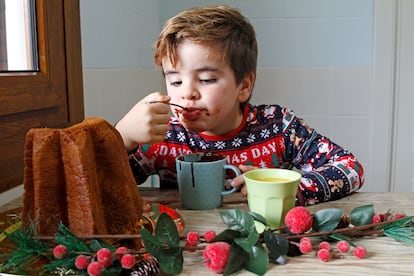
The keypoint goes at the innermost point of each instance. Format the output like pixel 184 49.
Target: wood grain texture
pixel 385 256
pixel 50 97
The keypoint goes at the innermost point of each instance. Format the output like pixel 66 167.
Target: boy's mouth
pixel 191 114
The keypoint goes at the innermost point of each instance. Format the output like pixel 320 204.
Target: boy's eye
pixel 208 81
pixel 176 83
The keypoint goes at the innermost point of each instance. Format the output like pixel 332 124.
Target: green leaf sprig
pixel 34 254
pixel 253 252
pixel 164 245
pixel 249 249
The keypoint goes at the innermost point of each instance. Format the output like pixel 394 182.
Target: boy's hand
pixel 145 123
pixel 239 180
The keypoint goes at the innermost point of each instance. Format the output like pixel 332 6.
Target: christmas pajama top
pixel 270 136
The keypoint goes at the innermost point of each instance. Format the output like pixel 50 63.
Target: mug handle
pixel 237 172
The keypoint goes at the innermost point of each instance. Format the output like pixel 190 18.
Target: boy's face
pixel 207 86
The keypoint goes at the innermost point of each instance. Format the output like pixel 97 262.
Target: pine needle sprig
pixel 29 250
pixel 401 230
pixel 67 263
pixel 65 237
pixel 75 247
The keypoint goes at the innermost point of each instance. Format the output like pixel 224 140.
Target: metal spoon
pixel 177 105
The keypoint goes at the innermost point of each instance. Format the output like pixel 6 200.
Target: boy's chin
pixel 193 126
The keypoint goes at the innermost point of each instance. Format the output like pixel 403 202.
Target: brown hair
pixel 220 27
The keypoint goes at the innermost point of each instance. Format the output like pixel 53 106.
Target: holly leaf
pixel 362 215
pixel 169 255
pixel 166 231
pixel 151 243
pixel 95 245
pixel 326 219
pixel 248 242
pixel 277 246
pixel 237 259
pixel 258 217
pixel 258 260
pixel 340 237
pixel 171 260
pixel 239 220
pixel 227 235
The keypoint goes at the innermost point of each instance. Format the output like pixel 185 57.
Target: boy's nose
pixel 190 92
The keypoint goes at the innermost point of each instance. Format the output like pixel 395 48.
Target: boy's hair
pixel 220 27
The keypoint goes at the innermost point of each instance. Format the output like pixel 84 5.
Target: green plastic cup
pixel 271 193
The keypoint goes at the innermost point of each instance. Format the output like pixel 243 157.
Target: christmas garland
pixel 240 246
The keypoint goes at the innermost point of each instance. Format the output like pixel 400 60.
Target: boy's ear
pixel 246 87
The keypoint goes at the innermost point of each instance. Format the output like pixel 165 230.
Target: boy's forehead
pixel 209 53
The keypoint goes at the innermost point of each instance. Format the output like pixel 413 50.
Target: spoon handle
pixel 177 105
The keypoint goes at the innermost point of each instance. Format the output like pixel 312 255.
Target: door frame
pixel 383 96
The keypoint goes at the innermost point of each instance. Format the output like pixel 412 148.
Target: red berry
pixel 193 237
pixel 343 246
pixel 216 255
pixel 95 269
pixel 307 239
pixel 399 216
pixel 209 235
pixel 305 245
pixel 360 252
pixel 323 255
pixel 120 251
pixel 325 245
pixel 82 262
pixel 60 251
pixel 377 218
pixel 104 256
pixel 298 220
pixel 127 261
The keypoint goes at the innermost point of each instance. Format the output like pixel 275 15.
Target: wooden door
pixel 51 97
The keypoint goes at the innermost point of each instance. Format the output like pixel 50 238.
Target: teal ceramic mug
pixel 201 179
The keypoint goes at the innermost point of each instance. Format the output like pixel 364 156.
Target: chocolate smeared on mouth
pixel 191 114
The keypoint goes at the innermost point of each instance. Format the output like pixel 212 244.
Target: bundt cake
pixel 80 176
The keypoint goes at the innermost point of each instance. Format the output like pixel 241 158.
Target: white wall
pixel 317 57
pixel 118 70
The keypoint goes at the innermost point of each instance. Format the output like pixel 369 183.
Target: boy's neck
pixel 212 136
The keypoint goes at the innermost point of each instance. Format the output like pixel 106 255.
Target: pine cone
pixel 146 267
pixel 344 222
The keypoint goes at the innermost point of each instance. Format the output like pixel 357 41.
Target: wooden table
pixel 385 256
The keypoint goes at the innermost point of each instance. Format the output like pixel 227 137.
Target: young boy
pixel 208 56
